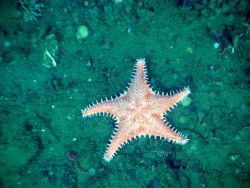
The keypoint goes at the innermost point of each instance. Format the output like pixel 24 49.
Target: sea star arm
pixel 108 107
pixel 139 83
pixel 117 141
pixel 163 103
pixel 155 128
pixel 172 100
pixel 163 130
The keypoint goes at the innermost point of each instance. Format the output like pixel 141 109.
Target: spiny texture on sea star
pixel 139 111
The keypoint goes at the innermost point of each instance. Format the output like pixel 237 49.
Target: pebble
pixel 92 171
pixel 186 102
pixel 216 45
pixel 183 119
pixel 82 32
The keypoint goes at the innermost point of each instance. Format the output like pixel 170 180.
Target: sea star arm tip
pixel 173 98
pixel 107 107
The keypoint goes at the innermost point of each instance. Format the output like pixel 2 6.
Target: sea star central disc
pixel 138 112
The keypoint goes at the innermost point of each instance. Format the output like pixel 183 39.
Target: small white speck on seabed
pixel 216 45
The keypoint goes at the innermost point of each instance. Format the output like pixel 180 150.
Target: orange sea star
pixel 139 111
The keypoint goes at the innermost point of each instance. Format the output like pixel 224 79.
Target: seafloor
pixel 45 142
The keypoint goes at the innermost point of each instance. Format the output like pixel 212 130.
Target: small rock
pixel 186 102
pixel 82 32
pixel 92 171
pixel 216 45
pixel 183 119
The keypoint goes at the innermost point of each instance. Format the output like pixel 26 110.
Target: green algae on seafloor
pixel 177 44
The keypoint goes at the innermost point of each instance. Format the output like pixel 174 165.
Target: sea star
pixel 139 111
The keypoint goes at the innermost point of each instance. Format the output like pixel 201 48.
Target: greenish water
pixel 48 76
